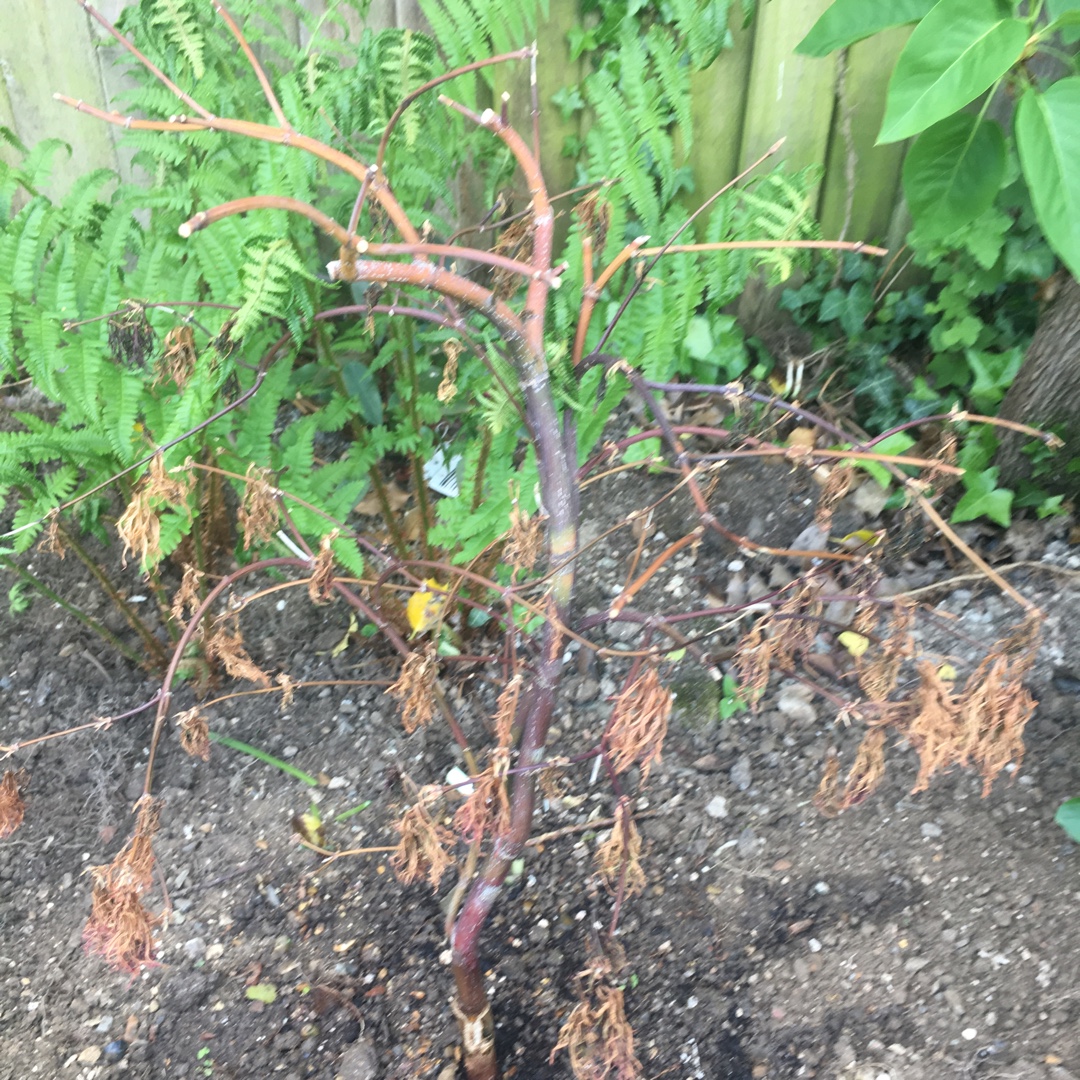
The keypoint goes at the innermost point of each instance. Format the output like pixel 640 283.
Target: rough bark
pixel 1046 391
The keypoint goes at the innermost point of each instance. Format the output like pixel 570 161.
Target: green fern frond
pixel 181 26
pixel 469 29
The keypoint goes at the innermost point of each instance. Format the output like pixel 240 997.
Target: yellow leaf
pixel 343 644
pixel 310 827
pixel 855 644
pixel 947 673
pixel 860 538
pixel 425 607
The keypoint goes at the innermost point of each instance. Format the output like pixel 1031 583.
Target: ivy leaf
pixel 1048 141
pixel 900 442
pixel 994 373
pixel 1068 817
pixel 953 172
pixel 959 50
pixel 848 21
pixel 698 341
pixel 984 499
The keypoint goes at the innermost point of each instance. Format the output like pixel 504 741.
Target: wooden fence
pixel 756 92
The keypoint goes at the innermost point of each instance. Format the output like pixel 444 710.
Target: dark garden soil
pixel 914 937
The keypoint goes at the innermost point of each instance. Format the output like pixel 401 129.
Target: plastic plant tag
pixel 442 475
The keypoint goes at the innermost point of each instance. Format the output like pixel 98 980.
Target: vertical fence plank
pixel 718 102
pixel 752 95
pixel 876 168
pixel 788 95
pixel 47 48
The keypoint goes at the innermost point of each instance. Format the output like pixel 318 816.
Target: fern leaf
pixel 181 25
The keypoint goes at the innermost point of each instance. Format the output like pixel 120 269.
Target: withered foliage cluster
pixel 131 337
pixel 425 845
pixel 187 599
pixel 526 539
pixel 618 858
pixel 320 584
pixel 139 526
pixel 12 806
pixel 224 644
pixel 120 928
pixel 596 1035
pixel 259 513
pixel 639 722
pixel 194 733
pixel 487 808
pixel 415 688
pixel 177 362
pixel 447 390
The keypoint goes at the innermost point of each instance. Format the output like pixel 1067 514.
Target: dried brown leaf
pixel 447 390
pixel 322 574
pixel 12 806
pixel 228 649
pixel 120 929
pixel 487 809
pixel 415 688
pixel 187 597
pixel 52 543
pixel 836 487
pixel 638 724
pixel 598 1038
pixel 260 512
pixel 178 361
pixel 422 851
pixel 194 733
pixel 619 856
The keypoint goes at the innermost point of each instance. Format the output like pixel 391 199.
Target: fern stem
pixel 417 466
pixel 87 620
pixel 397 538
pixel 156 649
pixel 481 468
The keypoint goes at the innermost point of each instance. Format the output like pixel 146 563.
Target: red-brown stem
pixel 631 590
pixel 354 217
pixel 406 101
pixel 264 82
pixel 158 74
pixel 591 293
pixel 205 218
pixel 429 276
pixel 558 486
pixel 264 133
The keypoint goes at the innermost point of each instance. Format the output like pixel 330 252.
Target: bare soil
pixel 914 937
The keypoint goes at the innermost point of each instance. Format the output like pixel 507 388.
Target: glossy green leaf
pixel 1068 817
pixel 959 50
pixel 1064 19
pixel 1048 140
pixel 952 173
pixel 984 499
pixel 848 21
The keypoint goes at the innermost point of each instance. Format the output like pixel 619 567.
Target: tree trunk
pixel 1046 392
